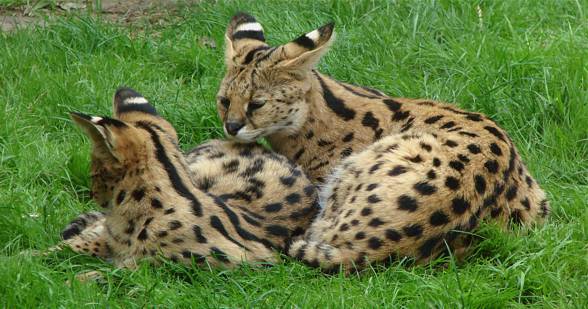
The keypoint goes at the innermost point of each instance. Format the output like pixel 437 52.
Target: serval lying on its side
pixel 226 204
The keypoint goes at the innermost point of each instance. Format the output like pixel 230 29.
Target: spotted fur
pixel 223 203
pixel 402 177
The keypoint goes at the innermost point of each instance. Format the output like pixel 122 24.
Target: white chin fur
pixel 245 135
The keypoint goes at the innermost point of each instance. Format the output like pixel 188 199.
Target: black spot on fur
pixel 273 207
pixel 155 203
pixel 438 218
pixel 407 203
pixel 374 243
pixel 474 149
pixel 400 115
pixel 452 183
pixel 293 198
pixel 426 146
pixel 495 149
pixel 425 188
pixel 474 117
pixel 231 166
pixel 491 166
pixel 375 167
pixel 372 199
pixel 463 158
pixel 309 190
pixel 456 165
pixel 480 184
pixel 366 211
pixel 431 174
pixel 393 235
pixel 138 194
pixel 174 225
pixel 288 181
pixel 360 235
pixel 433 119
pixel 413 230
pixel 448 125
pixel 372 122
pixel 392 105
pixel 529 181
pixel 348 138
pixel 511 193
pixel 459 205
pixel 397 170
pixel 451 143
pixel 436 162
pixel 375 222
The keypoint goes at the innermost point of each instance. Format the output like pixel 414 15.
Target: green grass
pixel 525 63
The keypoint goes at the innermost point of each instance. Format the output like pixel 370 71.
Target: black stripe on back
pixel 249 34
pixel 216 223
pixel 373 91
pixel 172 172
pixel 359 94
pixel 305 42
pixel 335 104
pixel 237 224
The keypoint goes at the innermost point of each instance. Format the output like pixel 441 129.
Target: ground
pixel 523 63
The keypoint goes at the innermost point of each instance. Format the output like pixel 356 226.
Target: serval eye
pixel 225 102
pixel 253 105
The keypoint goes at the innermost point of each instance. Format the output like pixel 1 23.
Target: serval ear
pixel 127 101
pixel 305 52
pixel 132 107
pixel 243 34
pixel 104 132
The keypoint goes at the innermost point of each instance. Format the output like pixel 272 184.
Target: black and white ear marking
pixel 99 129
pixel 316 37
pixel 244 26
pixel 128 100
pixel 304 52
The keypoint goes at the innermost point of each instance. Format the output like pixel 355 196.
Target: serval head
pixel 122 147
pixel 265 88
